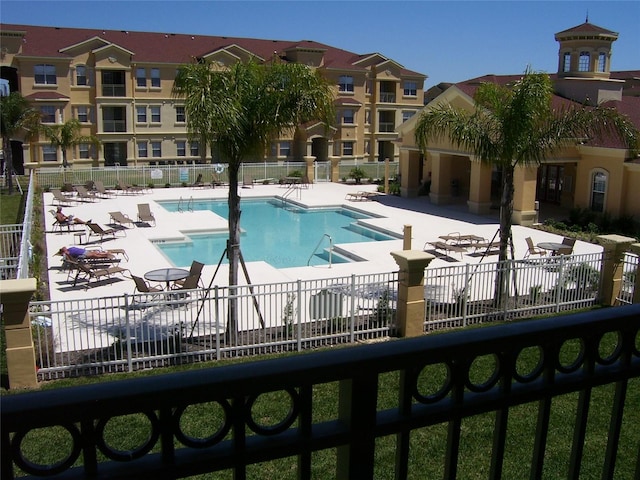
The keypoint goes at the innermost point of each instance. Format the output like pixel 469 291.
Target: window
pixel 45 74
pixel 602 61
pixel 368 87
pixel 181 148
pixel 113 119
pixel 195 149
pixel 142 150
pixel 49 153
pixel 598 191
pixel 81 75
pixel 347 116
pixel 141 114
pixel 84 150
pixel 367 117
pixel 407 114
pixel 155 114
pixel 345 84
pixel 82 113
pixel 155 77
pixel 141 77
pixel 583 65
pixel 285 149
pixel 181 117
pixel 156 149
pixel 410 89
pixel 347 148
pixel 113 83
pixel 48 114
pixel 566 65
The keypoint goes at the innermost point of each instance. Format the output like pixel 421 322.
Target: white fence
pixel 186 174
pixel 131 332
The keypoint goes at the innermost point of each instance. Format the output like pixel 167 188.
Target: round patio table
pixel 166 275
pixel 552 246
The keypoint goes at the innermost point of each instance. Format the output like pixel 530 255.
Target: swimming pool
pixel 279 233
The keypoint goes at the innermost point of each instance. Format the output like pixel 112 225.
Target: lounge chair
pixel 129 189
pixel 102 190
pixel 247 181
pixel 532 249
pixel 85 194
pixel 196 269
pixel 198 183
pixel 97 230
pixel 120 218
pixel 57 225
pixel 62 199
pixel 84 271
pixel 145 214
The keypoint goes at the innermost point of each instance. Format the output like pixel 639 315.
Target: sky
pixel 449 41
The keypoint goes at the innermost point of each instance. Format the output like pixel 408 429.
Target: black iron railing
pixel 241 440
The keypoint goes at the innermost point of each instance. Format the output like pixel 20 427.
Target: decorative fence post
pixel 310 170
pixel 335 169
pixel 635 248
pixel 411 304
pixel 612 269
pixel 21 357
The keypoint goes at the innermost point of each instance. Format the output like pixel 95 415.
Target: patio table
pixel 166 275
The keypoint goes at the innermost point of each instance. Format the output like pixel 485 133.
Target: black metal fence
pixel 361 419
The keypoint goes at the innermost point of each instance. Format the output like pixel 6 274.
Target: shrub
pixel 357 174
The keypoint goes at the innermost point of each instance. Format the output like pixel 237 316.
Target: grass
pixel 427 444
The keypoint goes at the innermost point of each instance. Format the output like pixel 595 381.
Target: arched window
pixel 598 190
pixel 602 61
pixel 566 65
pixel 585 59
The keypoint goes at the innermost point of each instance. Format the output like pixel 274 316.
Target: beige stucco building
pixel 600 175
pixel 118 85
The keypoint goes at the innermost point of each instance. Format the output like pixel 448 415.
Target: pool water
pixel 273 231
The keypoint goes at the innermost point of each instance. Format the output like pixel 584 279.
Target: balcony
pixel 387 97
pixel 362 420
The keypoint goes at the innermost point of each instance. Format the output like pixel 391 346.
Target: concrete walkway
pixel 391 215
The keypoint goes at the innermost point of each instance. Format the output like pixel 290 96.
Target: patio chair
pixel 97 230
pixel 533 250
pixel 145 214
pixel 143 286
pixel 195 270
pixel 85 272
pixel 85 194
pixel 61 198
pixel 120 218
pixel 568 248
pixel 189 283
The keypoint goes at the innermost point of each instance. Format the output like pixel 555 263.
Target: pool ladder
pixel 318 245
pixel 189 206
pixel 292 188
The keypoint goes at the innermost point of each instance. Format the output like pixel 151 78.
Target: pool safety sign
pixel 184 174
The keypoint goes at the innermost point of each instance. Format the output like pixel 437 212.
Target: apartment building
pixel 598 174
pixel 118 85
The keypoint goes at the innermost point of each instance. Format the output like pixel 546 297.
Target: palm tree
pixel 517 126
pixel 67 135
pixel 18 117
pixel 240 110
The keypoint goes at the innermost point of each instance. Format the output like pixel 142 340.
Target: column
pixel 410 312
pixel 310 170
pixel 524 195
pixel 409 173
pixel 440 193
pixel 479 188
pixel 21 359
pixel 335 169
pixel 614 248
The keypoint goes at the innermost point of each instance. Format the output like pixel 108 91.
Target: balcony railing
pixel 387 97
pixel 361 420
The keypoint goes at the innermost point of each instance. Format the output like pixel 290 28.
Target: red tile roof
pixel 167 47
pixel 587 28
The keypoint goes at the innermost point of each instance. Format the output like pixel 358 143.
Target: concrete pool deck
pixel 392 214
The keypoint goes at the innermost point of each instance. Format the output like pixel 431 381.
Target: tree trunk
pixel 65 163
pixel 506 213
pixel 8 163
pixel 233 245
